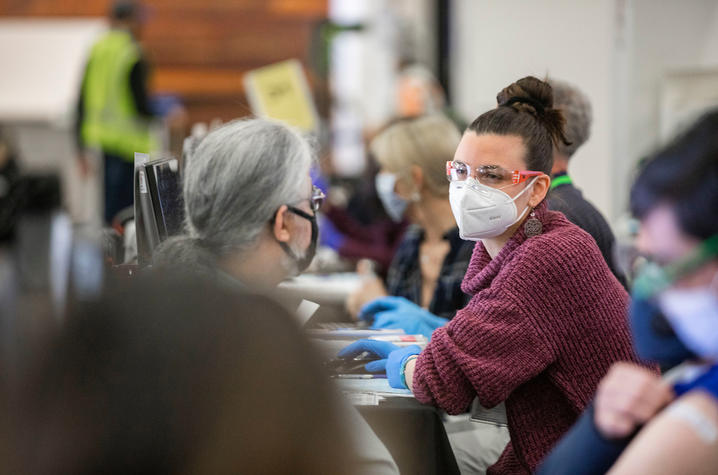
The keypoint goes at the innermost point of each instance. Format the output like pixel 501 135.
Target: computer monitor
pixel 148 237
pixel 165 189
pixel 159 211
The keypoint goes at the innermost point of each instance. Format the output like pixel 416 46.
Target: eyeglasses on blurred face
pixel 652 278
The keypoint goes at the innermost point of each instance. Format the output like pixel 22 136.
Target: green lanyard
pixel 561 180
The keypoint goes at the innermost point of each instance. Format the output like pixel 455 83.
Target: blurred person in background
pixel 563 195
pixel 357 227
pixel 419 93
pixel 250 214
pixel 665 425
pixel 174 375
pixel 114 112
pixel 546 319
pixel 424 280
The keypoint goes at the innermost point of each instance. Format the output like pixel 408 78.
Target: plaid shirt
pixel 404 276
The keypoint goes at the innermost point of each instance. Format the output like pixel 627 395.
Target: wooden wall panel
pixel 200 49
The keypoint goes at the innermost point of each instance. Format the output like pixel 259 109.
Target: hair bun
pixel 535 97
pixel 528 94
pixel 535 108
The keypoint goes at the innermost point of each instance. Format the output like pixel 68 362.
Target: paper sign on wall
pixel 280 91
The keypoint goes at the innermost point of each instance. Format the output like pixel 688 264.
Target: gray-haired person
pixel 249 204
pixel 250 216
pixel 564 196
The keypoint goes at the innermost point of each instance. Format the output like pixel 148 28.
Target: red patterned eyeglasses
pixel 489 175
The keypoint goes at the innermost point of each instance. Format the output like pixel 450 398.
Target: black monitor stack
pixel 159 210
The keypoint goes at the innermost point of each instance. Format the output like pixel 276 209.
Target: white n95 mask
pixel 481 211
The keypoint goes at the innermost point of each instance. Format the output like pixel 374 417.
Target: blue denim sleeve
pixel 583 450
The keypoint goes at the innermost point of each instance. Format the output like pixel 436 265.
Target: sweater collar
pixel 482 268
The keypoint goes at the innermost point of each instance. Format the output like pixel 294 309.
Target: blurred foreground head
pixel 683 178
pixel 175 376
pixel 675 197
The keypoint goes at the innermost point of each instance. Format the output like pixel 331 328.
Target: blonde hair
pixel 427 141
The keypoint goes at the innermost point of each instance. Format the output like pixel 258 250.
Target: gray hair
pixel 576 109
pixel 238 177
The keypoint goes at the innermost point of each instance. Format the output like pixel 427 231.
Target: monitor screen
pixel 166 191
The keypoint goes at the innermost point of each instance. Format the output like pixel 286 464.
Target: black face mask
pixel 303 263
pixel 653 336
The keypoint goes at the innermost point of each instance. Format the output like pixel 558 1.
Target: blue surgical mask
pixel 654 337
pixel 394 204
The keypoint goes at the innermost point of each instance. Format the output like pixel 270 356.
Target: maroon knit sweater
pixel 546 320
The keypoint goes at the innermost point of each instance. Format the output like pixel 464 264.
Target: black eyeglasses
pixel 315 202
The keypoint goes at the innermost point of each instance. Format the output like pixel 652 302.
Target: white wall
pixel 43 62
pixel 619 52
pixel 417 22
pixel 499 41
pixel 669 36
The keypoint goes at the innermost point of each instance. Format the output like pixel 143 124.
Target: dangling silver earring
pixel 532 226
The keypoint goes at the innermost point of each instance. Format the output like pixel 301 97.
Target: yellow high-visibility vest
pixel 111 121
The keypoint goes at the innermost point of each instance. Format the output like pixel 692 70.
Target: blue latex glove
pixel 380 349
pixel 392 358
pixel 398 312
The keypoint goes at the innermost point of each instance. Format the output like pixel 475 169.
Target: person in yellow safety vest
pixel 113 113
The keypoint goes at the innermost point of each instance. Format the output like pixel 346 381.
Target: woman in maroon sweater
pixel 547 317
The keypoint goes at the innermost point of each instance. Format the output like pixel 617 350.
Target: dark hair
pixel 170 375
pixel 124 10
pixel 685 175
pixel 525 108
